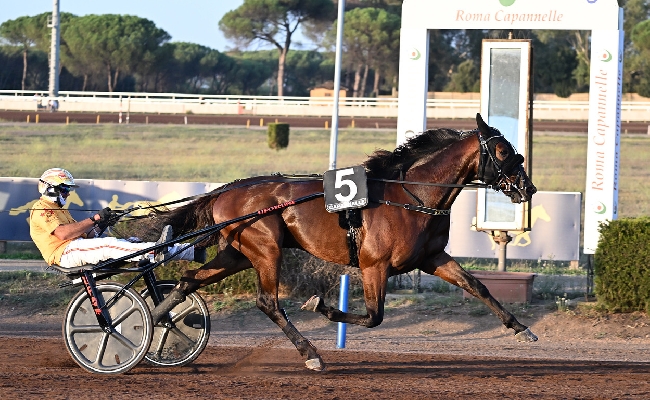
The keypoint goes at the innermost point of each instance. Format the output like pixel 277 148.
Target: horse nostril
pixel 531 190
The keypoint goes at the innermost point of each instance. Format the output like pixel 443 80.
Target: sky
pixel 195 21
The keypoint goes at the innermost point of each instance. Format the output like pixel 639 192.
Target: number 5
pixel 340 182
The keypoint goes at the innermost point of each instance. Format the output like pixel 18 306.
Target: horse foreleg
pixel 227 262
pixel 374 294
pixel 445 267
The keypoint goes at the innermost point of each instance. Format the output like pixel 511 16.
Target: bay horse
pixel 394 238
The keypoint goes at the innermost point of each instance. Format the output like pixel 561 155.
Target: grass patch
pixel 175 153
pixel 545 267
pixel 231 302
pixel 20 256
pixel 34 291
pixel 200 153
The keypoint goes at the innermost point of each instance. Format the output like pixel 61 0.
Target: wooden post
pixel 97 118
pixel 36 119
pixel 248 123
pixel 261 121
pixel 67 120
pixel 28 119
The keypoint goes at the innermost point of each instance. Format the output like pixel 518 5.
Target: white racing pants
pixel 80 252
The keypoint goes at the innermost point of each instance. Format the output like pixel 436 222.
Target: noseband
pixel 494 173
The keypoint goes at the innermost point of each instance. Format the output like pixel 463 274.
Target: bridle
pixel 497 173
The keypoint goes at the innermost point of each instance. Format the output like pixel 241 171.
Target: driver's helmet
pixel 54 178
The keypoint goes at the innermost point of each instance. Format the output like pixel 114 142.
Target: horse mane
pixel 388 164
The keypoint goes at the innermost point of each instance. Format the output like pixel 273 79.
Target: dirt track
pixel 41 368
pixel 414 354
pixel 305 122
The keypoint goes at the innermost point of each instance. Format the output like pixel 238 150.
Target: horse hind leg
pixel 267 302
pixel 449 270
pixel 227 262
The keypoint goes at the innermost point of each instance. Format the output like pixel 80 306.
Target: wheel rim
pixel 102 352
pixel 186 337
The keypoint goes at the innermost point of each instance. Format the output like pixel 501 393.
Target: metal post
pixel 502 238
pixel 54 51
pixel 337 87
pixel 343 306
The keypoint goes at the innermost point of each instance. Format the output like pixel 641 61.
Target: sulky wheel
pixel 108 353
pixel 181 340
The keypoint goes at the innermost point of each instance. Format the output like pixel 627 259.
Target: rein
pixel 294 178
pixel 315 177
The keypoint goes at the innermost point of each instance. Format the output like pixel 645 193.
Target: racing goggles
pixel 65 190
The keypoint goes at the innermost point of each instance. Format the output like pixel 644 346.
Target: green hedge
pixel 622 265
pixel 278 135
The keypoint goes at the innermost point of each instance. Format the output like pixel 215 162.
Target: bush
pixel 278 135
pixel 622 265
pixel 304 275
pixel 243 282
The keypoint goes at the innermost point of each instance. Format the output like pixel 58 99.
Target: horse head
pixel 500 166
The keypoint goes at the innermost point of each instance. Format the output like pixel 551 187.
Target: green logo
pixel 606 56
pixel 600 208
pixel 507 3
pixel 415 54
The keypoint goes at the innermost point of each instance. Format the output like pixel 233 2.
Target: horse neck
pixel 456 164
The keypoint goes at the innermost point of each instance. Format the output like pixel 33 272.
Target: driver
pixel 72 244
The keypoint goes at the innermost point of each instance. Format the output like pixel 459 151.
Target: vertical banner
pixel 413 75
pixel 604 130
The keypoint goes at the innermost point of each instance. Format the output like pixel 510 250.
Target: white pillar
pixel 54 51
pixel 334 135
pixel 413 82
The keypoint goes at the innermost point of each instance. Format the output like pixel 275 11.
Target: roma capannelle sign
pixel 603 17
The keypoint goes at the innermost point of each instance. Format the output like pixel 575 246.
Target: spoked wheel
pixel 108 353
pixel 180 341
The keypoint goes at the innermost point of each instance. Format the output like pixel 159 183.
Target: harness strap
pixel 413 207
pixel 411 195
pixel 351 221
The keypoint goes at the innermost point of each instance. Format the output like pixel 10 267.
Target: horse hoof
pixel 315 364
pixel 311 305
pixel 526 336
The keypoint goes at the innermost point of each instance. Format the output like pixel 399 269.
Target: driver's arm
pixel 75 229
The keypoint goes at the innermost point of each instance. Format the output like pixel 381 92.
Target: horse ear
pixel 482 126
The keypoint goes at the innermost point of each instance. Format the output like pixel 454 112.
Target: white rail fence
pixel 176 103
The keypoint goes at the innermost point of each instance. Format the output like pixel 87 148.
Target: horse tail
pixel 191 216
pixel 187 218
